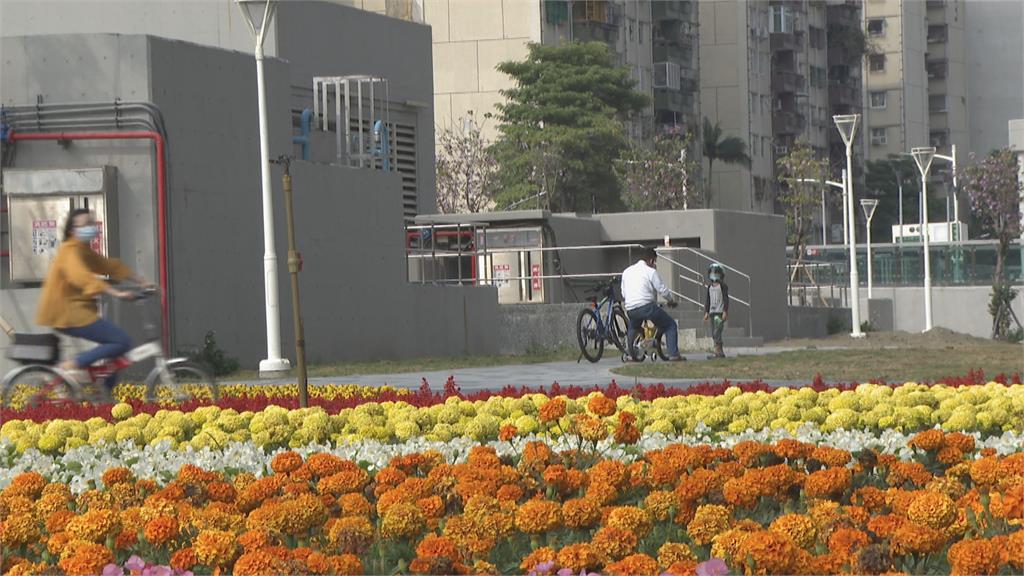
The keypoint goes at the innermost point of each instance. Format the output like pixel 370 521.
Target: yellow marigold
pixel 402 521
pixel 160 531
pixel 973 557
pixel 911 538
pixel 928 440
pixel 286 462
pixel 828 483
pixel 95 525
pixel 601 405
pixel 770 552
pixel 659 504
pixel 709 521
pixel 672 552
pixel 932 509
pixel 985 471
pixel 799 528
pixel 552 410
pixel 613 543
pixel 636 520
pixel 87 559
pixel 215 548
pixel 538 516
pixel 259 563
pixel 581 513
pixel 538 556
pixel 18 530
pixel 578 557
pixel 351 535
pixel 590 429
pixel 634 565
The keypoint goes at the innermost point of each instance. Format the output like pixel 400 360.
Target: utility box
pixel 514 263
pixel 38 204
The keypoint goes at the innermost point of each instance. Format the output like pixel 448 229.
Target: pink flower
pixel 713 567
pixel 112 570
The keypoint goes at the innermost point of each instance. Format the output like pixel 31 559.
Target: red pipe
pixel 161 197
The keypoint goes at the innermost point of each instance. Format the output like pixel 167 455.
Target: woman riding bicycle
pixel 68 299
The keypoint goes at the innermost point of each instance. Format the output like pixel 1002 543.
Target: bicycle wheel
pixel 660 347
pixel 619 332
pixel 588 335
pixel 183 381
pixel 35 385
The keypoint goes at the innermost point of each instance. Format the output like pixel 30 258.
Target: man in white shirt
pixel 640 288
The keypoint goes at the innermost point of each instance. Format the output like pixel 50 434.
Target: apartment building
pixel 655 39
pixel 995 70
pixel 916 76
pixel 770 75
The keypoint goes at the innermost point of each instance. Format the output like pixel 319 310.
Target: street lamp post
pixel 899 185
pixel 869 205
pixel 842 187
pixel 923 157
pixel 258 14
pixel 847 126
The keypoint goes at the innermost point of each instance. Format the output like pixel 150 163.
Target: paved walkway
pixel 533 375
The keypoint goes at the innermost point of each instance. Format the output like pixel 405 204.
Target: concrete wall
pixel 995 70
pixel 813 321
pixel 522 327
pixel 961 308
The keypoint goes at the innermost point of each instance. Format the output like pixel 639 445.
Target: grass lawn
pixel 419 364
pixel 856 364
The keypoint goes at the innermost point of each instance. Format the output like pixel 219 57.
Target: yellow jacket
pixel 68 299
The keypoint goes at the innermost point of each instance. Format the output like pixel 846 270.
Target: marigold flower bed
pixel 989 409
pixel 783 508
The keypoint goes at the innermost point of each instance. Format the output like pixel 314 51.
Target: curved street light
pixel 847 126
pixel 923 156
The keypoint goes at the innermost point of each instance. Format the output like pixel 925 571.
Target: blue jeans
pixel 662 321
pixel 113 342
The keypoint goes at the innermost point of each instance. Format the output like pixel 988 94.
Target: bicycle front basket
pixel 34 348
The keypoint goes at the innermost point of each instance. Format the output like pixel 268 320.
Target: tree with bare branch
pixel 465 168
pixel 801 174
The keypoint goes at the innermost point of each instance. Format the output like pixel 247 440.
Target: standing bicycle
pixel 602 321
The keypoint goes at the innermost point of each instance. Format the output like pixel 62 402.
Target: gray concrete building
pixel 995 70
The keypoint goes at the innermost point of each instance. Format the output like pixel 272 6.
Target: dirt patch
pixel 935 339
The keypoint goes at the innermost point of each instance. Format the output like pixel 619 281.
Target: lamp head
pixel 258 13
pixel 868 205
pixel 847 126
pixel 923 156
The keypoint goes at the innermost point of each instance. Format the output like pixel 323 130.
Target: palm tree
pixel 731 150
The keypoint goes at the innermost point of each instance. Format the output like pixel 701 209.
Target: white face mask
pixel 715 278
pixel 87 233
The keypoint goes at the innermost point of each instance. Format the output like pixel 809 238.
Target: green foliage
pixel 799 199
pixel 866 326
pixel 562 127
pixel 849 41
pixel 655 178
pixel 213 357
pixel 731 150
pixel 999 308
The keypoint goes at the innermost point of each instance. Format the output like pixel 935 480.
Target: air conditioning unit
pixel 781 150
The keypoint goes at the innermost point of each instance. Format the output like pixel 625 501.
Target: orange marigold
pixel 254 540
pixel 798 527
pixel 634 565
pixel 973 557
pixel 682 568
pixel 58 521
pixel 27 484
pixel 507 433
pixel 95 525
pixel 659 504
pixel 578 557
pixel 552 410
pixel 911 538
pixel 950 455
pixel 215 548
pixel 117 475
pixel 402 521
pixel 985 471
pixel 770 552
pixel 286 462
pixel 831 457
pixel 792 449
pixel 960 441
pixel 18 530
pixel 932 509
pixel 323 464
pixel 589 428
pixel 610 472
pixel 536 455
pixel 87 559
pixel 613 543
pixel 355 505
pixel 727 544
pixel 1009 504
pixel 581 513
pixel 347 565
pixel 344 482
pixel 160 531
pixel 672 552
pixel 510 493
pixel 709 521
pixel 928 440
pixel 259 563
pixel 828 483
pixel 538 516
pixel 538 556
pixel 636 520
pixel 1015 548
pixel 903 472
pixel 351 535
pixel 847 541
pixel 317 563
pixel 601 405
pixel 184 559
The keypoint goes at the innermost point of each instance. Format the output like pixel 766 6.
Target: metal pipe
pixel 161 198
pixel 305 121
pixel 294 263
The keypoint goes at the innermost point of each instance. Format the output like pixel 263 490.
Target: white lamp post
pixel 258 14
pixel 869 205
pixel 847 126
pixel 956 204
pixel 842 187
pixel 923 157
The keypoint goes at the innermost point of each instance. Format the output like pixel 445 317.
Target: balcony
pixel 784 41
pixel 787 122
pixel 682 55
pixel 936 51
pixel 783 81
pixel 937 69
pixel 594 32
pixel 673 100
pixel 843 94
pixel 675 10
pixel 675 32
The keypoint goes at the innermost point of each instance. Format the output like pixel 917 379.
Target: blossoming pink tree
pixel 994 192
pixel 659 177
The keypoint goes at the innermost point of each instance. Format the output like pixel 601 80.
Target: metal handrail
pixel 710 259
pixel 687 298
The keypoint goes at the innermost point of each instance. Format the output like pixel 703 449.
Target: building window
pixel 876 62
pixel 817 37
pixel 878 137
pixel 939 139
pixel 876 27
pixel 937 33
pixel 937 103
pixel 878 99
pixel 782 20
